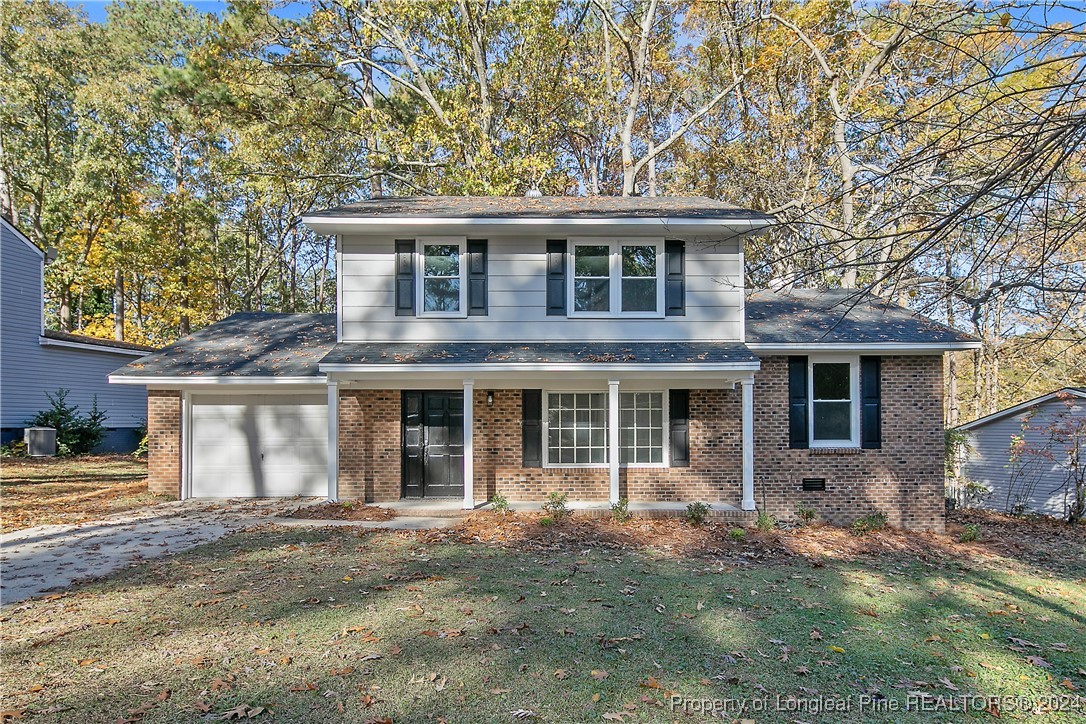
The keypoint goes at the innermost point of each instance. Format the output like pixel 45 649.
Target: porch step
pixel 447 508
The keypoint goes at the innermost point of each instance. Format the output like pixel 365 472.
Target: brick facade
pixel 903 479
pixel 164 442
pixel 369 445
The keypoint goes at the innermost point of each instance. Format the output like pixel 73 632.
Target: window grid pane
pixel 831 401
pixel 641 427
pixel 639 282
pixel 591 278
pixel 577 428
pixel 441 278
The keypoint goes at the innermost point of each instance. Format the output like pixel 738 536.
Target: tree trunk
pixel 848 173
pixel 118 305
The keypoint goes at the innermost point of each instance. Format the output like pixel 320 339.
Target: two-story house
pixel 602 347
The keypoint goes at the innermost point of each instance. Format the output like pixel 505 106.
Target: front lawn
pixel 338 624
pixel 43 491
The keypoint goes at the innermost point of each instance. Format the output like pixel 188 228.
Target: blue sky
pixel 96 9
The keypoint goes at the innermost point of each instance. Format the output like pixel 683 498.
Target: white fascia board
pixel 348 224
pixel 175 382
pixel 107 349
pixel 863 347
pixel 999 414
pixel 542 367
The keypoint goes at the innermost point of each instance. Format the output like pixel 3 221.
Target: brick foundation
pixel 904 479
pixel 164 442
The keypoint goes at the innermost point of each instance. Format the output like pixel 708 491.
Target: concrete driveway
pixel 48 558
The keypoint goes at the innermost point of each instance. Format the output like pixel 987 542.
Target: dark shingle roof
pixel 246 344
pixel 838 316
pixel 550 207
pixel 256 344
pixel 96 341
pixel 499 353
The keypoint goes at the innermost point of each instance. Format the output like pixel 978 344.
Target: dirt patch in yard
pixel 45 491
pixel 347 510
pixel 1043 543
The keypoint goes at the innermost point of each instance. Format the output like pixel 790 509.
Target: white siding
pixel 517 298
pixel 1040 487
pixel 28 370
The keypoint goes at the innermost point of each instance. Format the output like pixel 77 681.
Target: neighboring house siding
pixel 29 369
pixel 1039 485
pixel 903 479
pixel 517 298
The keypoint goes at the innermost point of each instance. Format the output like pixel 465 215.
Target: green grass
pixel 280 620
pixel 45 491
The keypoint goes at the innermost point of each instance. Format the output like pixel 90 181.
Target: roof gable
pixel 1014 409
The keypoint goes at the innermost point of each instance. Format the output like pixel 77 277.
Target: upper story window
pixel 616 278
pixel 834 394
pixel 442 289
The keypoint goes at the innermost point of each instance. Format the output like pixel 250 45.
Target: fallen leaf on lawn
pixel 11 714
pixel 201 662
pixel 802 670
pixel 499 692
pixel 371 656
pixel 1038 661
pixel 650 683
pixel 868 612
pixel 86 662
pixel 429 632
pixel 340 672
pixel 241 711
pixel 599 674
pixel 986 665
pixel 304 686
pixel 836 649
pixel 394 650
pixel 523 714
pixel 1059 647
pixel 933 638
pixel 110 622
pixel 367 700
pixel 948 684
pixel 616 715
pixel 209 602
pixel 558 673
pixel 1066 683
pixel 816 635
pixel 379 720
pixel 286 660
pixel 596 697
pixel 202 706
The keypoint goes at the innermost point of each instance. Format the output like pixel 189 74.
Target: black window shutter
pixel 556 277
pixel 675 279
pixel 679 408
pixel 405 277
pixel 870 403
pixel 412 443
pixel 798 435
pixel 477 277
pixel 531 428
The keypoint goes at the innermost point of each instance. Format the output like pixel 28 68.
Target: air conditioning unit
pixel 40 442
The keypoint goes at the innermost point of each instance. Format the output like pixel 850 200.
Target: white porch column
pixel 469 448
pixel 333 440
pixel 748 444
pixel 612 436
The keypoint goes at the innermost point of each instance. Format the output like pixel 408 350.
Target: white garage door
pixel 259 445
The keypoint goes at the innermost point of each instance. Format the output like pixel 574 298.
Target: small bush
pixel 77 434
pixel 766 522
pixel 14 449
pixel 555 505
pixel 546 521
pixel 970 533
pixel 696 513
pixel 806 515
pixel 499 504
pixel 141 433
pixel 737 534
pixel 346 505
pixel 870 523
pixel 620 511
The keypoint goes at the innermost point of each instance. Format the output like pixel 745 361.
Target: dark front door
pixel 433 444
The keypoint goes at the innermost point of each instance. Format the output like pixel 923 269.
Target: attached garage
pixel 258 445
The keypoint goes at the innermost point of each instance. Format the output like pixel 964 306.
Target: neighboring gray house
pixel 1034 484
pixel 34 360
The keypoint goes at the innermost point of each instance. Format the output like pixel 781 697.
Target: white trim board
pixel 341 224
pixel 999 414
pixel 104 348
pixel 172 383
pixel 558 368
pixel 861 347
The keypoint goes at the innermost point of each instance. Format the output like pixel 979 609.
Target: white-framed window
pixel 834 394
pixel 442 271
pixel 576 429
pixel 616 277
